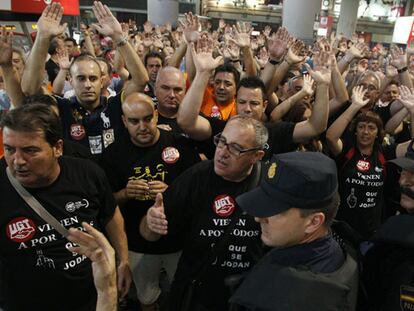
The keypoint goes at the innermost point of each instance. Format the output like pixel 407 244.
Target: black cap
pixel 406 162
pixel 296 179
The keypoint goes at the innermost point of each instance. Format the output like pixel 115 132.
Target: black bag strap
pixel 36 206
pixel 218 247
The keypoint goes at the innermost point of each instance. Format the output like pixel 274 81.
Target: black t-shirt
pixel 149 91
pixel 164 161
pixel 96 130
pixel 199 206
pixel 280 137
pixel 41 272
pixel 361 186
pixel 172 122
pixel 52 70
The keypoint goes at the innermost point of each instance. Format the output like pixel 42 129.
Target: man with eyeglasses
pixel 199 208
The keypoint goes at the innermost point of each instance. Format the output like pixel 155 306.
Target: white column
pixel 348 18
pixel 299 17
pixel 162 11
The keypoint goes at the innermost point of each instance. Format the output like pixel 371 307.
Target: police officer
pixel 295 205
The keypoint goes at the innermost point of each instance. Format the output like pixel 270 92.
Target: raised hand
pixel 96 247
pixel 156 219
pixel 222 24
pixel 203 58
pixel 48 25
pixel 358 50
pixel 63 59
pixel 391 72
pixel 294 54
pixel 234 51
pixel 358 93
pixel 267 31
pixel 241 34
pixel 262 58
pixel 191 27
pixel 278 43
pixel 148 27
pixel 407 98
pixel 6 48
pixel 307 84
pixel 107 25
pixel 398 58
pixel 321 71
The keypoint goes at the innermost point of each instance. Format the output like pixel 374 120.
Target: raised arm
pixel 64 64
pixel 338 127
pixel 88 41
pixel 11 83
pixel 277 48
pixel 191 27
pixel 317 123
pixel 399 61
pixel 356 51
pixel 242 39
pixel 283 108
pixel 188 118
pixel 108 25
pixel 341 93
pixel 48 26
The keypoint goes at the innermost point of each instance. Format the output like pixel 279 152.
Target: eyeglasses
pixel 233 149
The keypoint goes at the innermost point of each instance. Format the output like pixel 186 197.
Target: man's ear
pixel 58 148
pixel 315 221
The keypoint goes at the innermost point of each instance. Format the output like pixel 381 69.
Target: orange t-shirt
pixel 212 109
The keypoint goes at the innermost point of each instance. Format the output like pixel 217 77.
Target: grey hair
pixel 262 135
pixel 369 73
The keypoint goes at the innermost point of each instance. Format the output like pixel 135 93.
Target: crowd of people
pixel 248 170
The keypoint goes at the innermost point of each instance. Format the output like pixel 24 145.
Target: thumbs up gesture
pixel 156 219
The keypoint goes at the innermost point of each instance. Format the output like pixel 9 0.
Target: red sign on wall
pixel 71 7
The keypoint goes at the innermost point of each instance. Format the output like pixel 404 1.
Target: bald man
pixel 140 165
pixel 170 88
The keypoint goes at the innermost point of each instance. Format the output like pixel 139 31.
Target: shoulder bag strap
pixel 36 206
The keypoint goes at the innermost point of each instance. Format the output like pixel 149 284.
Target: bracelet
pixel 274 61
pixel 402 69
pixel 122 42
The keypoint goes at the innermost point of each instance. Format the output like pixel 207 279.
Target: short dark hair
pixel 153 54
pixel 54 44
pixel 84 57
pixel 35 117
pixel 228 67
pixel 369 116
pixel 71 40
pixel 329 209
pixel 252 83
pixel 40 98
